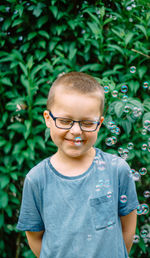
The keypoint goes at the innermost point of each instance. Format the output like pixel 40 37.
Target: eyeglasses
pixel 67 123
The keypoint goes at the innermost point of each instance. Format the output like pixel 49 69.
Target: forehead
pixel 67 102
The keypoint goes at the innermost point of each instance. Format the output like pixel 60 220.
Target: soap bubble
pixel 139 209
pixel 115 93
pixel 109 194
pixel 145 208
pixel 144 132
pixel 120 150
pixel 126 109
pixel 145 85
pixel 106 89
pixel 132 69
pixel 125 98
pixel 146 194
pixel 137 112
pixel 124 154
pixel 117 130
pixel 144 233
pixel 142 171
pixel 129 8
pixel 147 125
pixel 123 198
pixel 136 239
pixel 136 176
pixel 130 146
pixel 111 125
pixel 111 141
pixel 144 147
pixel 124 88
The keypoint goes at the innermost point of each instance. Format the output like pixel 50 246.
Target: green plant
pixel 39 40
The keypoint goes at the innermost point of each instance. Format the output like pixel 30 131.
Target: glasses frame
pixel 74 121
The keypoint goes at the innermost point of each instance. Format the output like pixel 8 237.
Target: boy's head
pixel 76 82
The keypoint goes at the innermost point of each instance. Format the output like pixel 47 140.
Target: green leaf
pixel 31 35
pixel 3 199
pixel 142 28
pixel 4 180
pixel 24 69
pixel 18 127
pixel 134 86
pixel 119 107
pixel 127 126
pixel 141 71
pixel 6 81
pixel 54 10
pixel 6 24
pixel 38 9
pixel 41 21
pixel 43 34
pixel 17 22
pixel 128 37
pixel 1 220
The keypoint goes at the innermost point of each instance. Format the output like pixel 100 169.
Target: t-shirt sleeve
pixel 128 200
pixel 30 216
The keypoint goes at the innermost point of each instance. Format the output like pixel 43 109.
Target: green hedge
pixel 38 41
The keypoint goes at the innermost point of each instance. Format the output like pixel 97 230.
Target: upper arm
pixel 128 222
pixel 33 236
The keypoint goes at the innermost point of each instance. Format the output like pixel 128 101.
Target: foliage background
pixel 38 41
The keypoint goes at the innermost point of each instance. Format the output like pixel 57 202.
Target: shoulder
pixel 113 162
pixel 39 171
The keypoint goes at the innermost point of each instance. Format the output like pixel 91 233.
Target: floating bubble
pixel 124 154
pixel 117 130
pixel 130 174
pixel 124 88
pixel 106 89
pixel 126 109
pixel 115 93
pixel 139 209
pixel 144 147
pixel 111 141
pixel 136 239
pixel 144 131
pixel 145 208
pixel 144 233
pixel 145 85
pixel 111 125
pixel 146 194
pixel 129 8
pixel 123 198
pixel 142 171
pixel 130 146
pixel 132 69
pixel 147 125
pixel 136 176
pixel 109 194
pixel 120 150
pixel 125 98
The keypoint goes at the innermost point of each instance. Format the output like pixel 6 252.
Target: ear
pixel 47 118
pixel 101 121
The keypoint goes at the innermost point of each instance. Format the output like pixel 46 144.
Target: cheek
pixel 92 136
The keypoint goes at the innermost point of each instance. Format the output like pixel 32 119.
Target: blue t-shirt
pixel 80 215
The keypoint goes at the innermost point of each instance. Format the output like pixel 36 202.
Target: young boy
pixel 81 202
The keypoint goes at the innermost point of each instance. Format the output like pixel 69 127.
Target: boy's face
pixel 75 106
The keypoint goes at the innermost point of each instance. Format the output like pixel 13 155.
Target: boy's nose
pixel 75 129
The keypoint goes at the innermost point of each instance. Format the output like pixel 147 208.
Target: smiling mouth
pixel 75 142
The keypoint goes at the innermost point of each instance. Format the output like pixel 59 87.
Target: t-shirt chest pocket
pixel 103 213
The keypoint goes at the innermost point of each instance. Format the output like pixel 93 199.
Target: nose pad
pixel 76 128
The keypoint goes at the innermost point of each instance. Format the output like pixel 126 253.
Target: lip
pixel 75 143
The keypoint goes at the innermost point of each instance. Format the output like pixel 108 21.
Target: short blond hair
pixel 76 81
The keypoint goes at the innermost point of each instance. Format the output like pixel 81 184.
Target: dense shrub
pixel 38 41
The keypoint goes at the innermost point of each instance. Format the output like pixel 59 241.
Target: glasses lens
pixel 88 126
pixel 63 123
